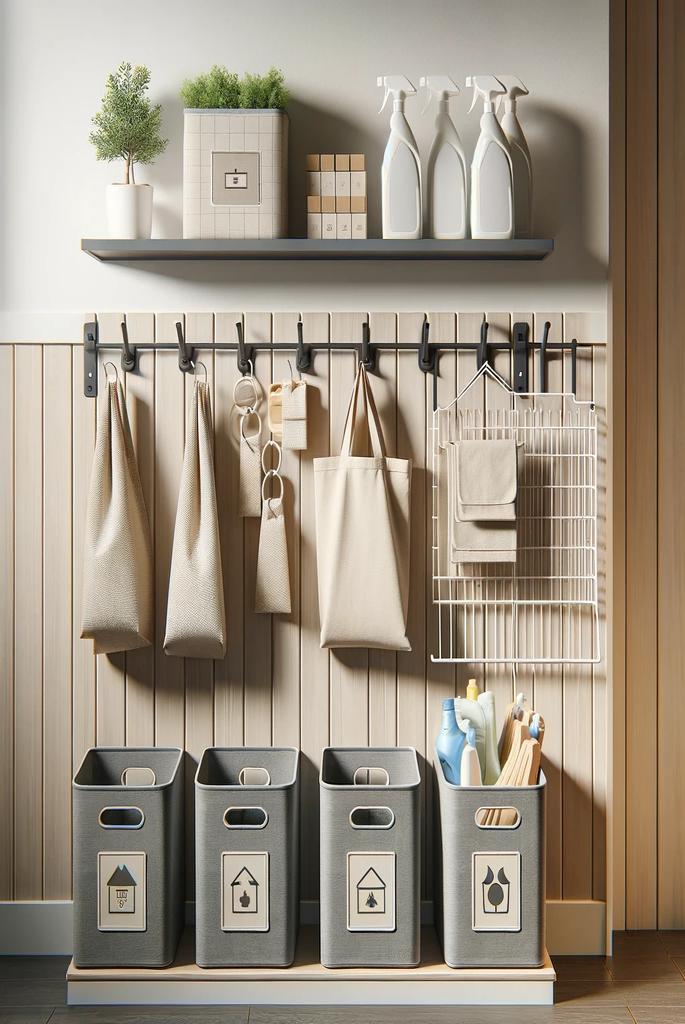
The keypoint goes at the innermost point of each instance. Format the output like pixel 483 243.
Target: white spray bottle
pixel 520 156
pixel 446 179
pixel 492 186
pixel 401 172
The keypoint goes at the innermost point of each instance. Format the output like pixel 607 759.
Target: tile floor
pixel 643 983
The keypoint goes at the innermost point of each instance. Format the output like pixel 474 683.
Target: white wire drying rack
pixel 542 609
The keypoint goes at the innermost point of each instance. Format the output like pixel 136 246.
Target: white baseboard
pixel 44 928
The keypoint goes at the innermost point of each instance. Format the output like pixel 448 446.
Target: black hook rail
pixel 519 345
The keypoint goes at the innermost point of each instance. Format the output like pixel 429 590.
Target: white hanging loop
pixel 109 379
pixel 272 474
pixel 246 404
pixel 279 455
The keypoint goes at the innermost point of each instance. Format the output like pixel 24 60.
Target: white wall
pixel 56 54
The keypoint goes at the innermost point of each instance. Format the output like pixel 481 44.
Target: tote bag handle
pixel 361 387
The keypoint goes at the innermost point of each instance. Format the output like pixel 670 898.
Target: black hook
pixel 426 353
pixel 185 353
pixel 368 353
pixel 574 354
pixel 483 345
pixel 303 360
pixel 542 376
pixel 128 354
pixel 245 352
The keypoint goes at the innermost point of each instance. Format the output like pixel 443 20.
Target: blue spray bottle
pixel 450 743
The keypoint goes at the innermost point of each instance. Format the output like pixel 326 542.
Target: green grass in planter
pixel 222 89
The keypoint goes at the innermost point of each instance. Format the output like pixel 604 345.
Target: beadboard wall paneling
pixel 275 685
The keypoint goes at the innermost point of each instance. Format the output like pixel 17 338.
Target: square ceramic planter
pixel 235 174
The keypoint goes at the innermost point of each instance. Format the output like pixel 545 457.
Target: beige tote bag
pixel 117 609
pixel 362 535
pixel 196 620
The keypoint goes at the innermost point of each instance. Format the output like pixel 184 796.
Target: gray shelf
pixel 126 250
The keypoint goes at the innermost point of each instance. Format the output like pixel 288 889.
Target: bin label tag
pixel 122 892
pixel 245 892
pixel 371 892
pixel 496 884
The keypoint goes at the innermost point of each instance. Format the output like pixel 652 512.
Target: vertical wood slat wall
pixel 648 306
pixel 275 685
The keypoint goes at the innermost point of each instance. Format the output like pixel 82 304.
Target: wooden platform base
pixel 307 983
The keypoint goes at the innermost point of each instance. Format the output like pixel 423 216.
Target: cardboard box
pixel 312 162
pixel 313 183
pixel 342 204
pixel 313 225
pixel 357 162
pixel 313 204
pixel 357 204
pixel 358 225
pixel 342 161
pixel 327 161
pixel 328 204
pixel 328 183
pixel 328 225
pixel 343 225
pixel 357 183
pixel 342 183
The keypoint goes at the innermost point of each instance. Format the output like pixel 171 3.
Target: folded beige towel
pixel 486 481
pixel 492 538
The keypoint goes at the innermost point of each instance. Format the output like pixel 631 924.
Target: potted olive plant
pixel 127 128
pixel 235 155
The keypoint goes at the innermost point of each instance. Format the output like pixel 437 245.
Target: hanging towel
pixel 272 585
pixel 117 610
pixel 196 621
pixel 362 535
pixel 250 480
pixel 295 415
pixel 477 541
pixel 486 480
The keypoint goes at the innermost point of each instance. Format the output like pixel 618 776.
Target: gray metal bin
pixel 128 856
pixel 247 856
pixel 370 857
pixel 490 879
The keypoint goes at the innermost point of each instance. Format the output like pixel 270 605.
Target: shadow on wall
pixel 563 207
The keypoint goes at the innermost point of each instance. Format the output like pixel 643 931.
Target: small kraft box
pixel 247 856
pixel 129 896
pixel 490 873
pixel 235 173
pixel 370 854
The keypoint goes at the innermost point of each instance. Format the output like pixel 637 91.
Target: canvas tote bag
pixel 117 611
pixel 362 534
pixel 196 620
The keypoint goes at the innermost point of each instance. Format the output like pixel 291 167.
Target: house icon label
pixel 121 887
pixel 245 893
pixel 371 893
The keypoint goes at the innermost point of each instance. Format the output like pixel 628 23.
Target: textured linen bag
pixel 196 620
pixel 362 535
pixel 118 612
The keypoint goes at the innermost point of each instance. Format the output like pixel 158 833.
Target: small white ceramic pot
pixel 129 210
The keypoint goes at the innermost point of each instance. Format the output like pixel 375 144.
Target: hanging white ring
pixel 244 418
pixel 116 372
pixel 270 474
pixel 244 407
pixel 272 444
pixel 196 367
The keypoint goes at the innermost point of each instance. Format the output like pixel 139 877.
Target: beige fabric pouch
pixel 118 609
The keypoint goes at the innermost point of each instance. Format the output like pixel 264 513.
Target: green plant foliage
pixel 128 126
pixel 222 89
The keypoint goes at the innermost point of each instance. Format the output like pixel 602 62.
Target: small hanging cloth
pixel 272 584
pixel 196 618
pixel 118 611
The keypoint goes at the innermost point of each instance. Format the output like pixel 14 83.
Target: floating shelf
pixel 126 250
pixel 308 983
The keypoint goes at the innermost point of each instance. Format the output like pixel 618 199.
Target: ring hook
pixel 272 444
pixel 116 372
pixel 196 367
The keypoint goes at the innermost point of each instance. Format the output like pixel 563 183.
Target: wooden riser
pixel 307 983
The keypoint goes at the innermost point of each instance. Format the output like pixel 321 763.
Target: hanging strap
pixel 373 427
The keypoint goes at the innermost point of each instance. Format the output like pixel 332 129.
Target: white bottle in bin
pixel 492 183
pixel 446 177
pixel 401 171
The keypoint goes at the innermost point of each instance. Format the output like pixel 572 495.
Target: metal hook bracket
pixel 186 353
pixel 521 332
pixel 427 355
pixel 245 352
pixel 90 359
pixel 367 355
pixel 128 352
pixel 303 360
pixel 482 352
